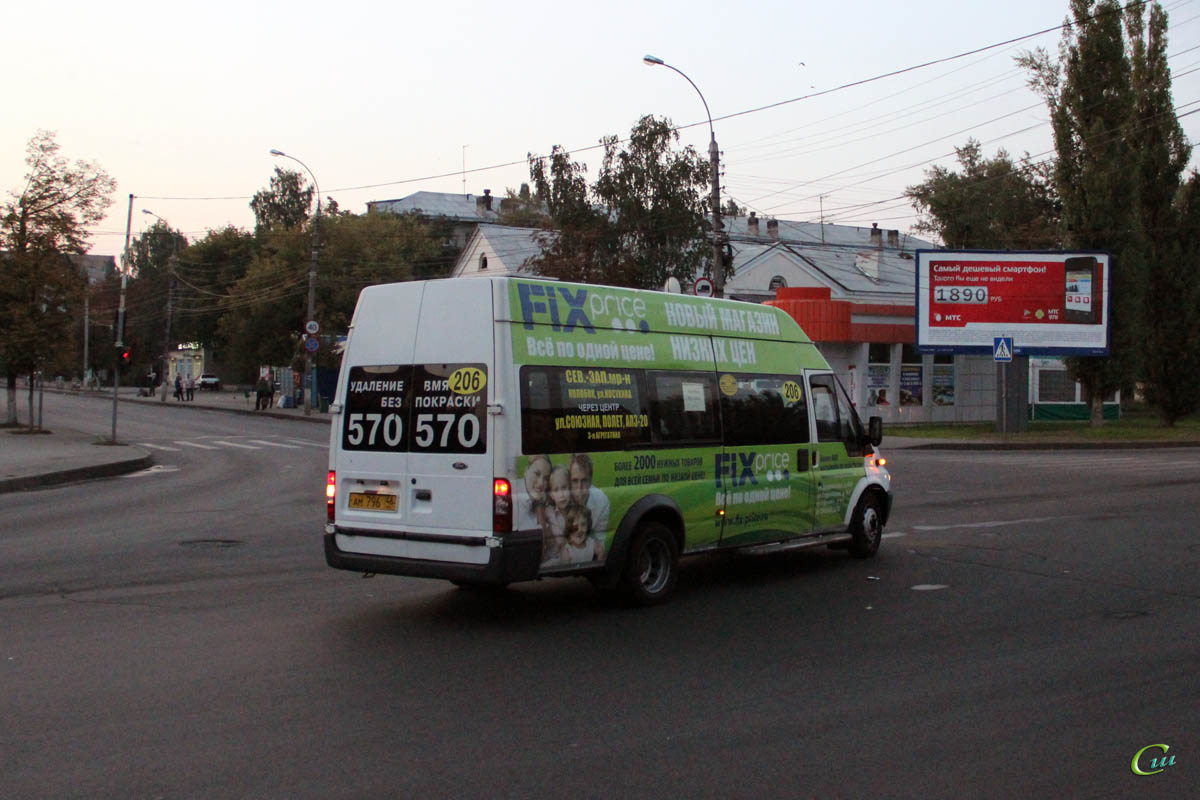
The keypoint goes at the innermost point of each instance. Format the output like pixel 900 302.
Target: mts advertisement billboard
pixel 1049 303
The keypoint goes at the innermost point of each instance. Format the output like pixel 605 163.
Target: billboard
pixel 1050 303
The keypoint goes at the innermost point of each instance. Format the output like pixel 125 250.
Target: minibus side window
pixel 684 408
pixel 765 409
pixel 835 417
pixel 580 410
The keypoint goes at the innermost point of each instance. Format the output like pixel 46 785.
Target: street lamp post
pixel 718 268
pixel 171 265
pixel 312 283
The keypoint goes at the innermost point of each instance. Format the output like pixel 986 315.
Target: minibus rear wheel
pixel 866 529
pixel 653 565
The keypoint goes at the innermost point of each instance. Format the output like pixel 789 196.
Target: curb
pixel 109 470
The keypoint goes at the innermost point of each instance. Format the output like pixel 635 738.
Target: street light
pixel 714 158
pixel 312 282
pixel 171 264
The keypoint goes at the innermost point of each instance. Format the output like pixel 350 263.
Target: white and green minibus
pixel 492 430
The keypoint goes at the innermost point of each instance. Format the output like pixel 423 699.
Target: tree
pixel 284 204
pixel 264 310
pixel 991 204
pixel 648 220
pixel 41 291
pixel 1171 318
pixel 148 294
pixel 656 198
pixel 207 271
pixel 1091 99
pixel 522 209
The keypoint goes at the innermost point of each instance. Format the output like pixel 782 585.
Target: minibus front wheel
pixel 652 567
pixel 867 526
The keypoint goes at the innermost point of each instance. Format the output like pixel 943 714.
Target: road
pixel 1029 624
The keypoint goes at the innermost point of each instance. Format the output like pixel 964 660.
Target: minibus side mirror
pixel 875 430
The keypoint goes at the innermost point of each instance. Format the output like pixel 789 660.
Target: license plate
pixel 372 502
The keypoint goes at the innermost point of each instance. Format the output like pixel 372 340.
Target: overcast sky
pixel 181 103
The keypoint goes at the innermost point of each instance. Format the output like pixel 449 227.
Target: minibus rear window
pixel 426 408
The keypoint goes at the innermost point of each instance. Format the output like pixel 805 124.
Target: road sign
pixel 311 344
pixel 1002 348
pixel 311 327
pixel 703 287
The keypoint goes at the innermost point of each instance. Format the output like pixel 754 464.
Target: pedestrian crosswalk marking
pixel 322 445
pixel 276 444
pixel 201 446
pixel 235 444
pixel 158 447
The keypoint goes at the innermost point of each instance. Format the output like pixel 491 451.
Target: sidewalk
pixel 33 460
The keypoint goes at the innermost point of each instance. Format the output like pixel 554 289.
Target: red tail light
pixel 502 508
pixel 330 494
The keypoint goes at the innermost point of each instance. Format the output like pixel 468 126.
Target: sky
pixel 181 103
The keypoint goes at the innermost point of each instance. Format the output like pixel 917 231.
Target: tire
pixel 652 567
pixel 867 527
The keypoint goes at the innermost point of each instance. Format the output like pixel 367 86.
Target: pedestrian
pixel 191 387
pixel 178 388
pixel 261 393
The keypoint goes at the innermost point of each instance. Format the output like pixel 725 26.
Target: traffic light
pixel 125 356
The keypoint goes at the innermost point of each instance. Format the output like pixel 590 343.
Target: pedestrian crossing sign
pixel 1002 348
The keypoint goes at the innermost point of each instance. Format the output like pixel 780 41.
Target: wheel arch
pixel 864 486
pixel 649 508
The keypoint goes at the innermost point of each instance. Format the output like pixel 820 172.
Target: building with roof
pixel 466 211
pixel 851 288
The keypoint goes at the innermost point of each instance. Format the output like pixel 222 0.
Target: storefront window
pixel 911 376
pixel 943 379
pixel 879 374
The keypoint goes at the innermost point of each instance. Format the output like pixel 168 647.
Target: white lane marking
pixel 201 446
pixel 894 535
pixel 999 523
pixel 275 444
pixel 156 469
pixel 929 587
pixel 158 447
pixel 235 444
pixel 322 445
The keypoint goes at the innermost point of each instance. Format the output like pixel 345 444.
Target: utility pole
pixel 718 254
pixel 87 296
pixel 172 263
pixel 714 156
pixel 312 284
pixel 120 332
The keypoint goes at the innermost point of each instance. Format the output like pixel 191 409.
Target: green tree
pixel 263 314
pixel 284 204
pixel 523 209
pixel 208 269
pixel 1171 318
pixel 1090 95
pixel 264 310
pixel 147 295
pixel 991 203
pixel 647 221
pixel 656 198
pixel 41 291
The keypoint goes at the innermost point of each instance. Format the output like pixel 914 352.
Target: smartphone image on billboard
pixel 1082 290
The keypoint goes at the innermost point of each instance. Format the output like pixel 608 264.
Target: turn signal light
pixel 330 494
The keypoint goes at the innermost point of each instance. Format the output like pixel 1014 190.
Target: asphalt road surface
pixel 1029 624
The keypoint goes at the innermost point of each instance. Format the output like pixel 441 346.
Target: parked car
pixel 208 381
